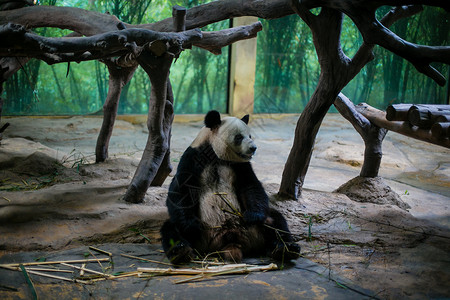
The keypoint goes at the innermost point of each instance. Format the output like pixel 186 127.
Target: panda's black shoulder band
pixel 212 119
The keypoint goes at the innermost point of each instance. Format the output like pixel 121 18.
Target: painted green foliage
pixel 286 74
pixel 287 68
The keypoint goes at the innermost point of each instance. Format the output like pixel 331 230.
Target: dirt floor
pixel 389 236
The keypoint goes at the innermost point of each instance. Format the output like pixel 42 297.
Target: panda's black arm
pixel 250 193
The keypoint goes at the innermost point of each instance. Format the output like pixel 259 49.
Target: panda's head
pixel 229 137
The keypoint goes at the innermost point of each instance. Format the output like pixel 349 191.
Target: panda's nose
pixel 252 149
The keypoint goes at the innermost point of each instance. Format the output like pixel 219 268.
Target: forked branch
pixel 374 32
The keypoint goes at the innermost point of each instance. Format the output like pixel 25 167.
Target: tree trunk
pixel 157 145
pixel 326 28
pixel 166 167
pixel 179 24
pixel 305 134
pixel 336 71
pixel 118 78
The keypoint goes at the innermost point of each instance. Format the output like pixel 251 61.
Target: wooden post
pixel 242 72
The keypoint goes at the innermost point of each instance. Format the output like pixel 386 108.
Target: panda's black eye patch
pixel 238 139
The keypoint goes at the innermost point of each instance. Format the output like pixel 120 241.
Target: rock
pixel 371 190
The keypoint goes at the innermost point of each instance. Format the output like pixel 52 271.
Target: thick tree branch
pixel 217 11
pixel 157 145
pixel 372 135
pixel 215 41
pixel 361 12
pixel 112 44
pixel 20 42
pixel 363 15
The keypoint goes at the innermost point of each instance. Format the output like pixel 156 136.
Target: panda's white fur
pixel 218 199
pixel 220 208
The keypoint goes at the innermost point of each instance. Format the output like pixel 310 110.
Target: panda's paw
pixel 254 217
pixel 286 251
pixel 180 254
pixel 232 253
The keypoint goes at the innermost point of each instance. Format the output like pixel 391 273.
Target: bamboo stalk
pixel 239 270
pixel 127 274
pixel 97 260
pixel 49 270
pixel 232 268
pixel 208 262
pixel 9 266
pixel 148 260
pixel 87 270
pixel 51 276
pixel 101 251
pixel 83 265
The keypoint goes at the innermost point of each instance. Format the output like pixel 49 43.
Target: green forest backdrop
pixel 286 68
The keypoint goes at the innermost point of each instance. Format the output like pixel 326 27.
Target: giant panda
pixel 216 203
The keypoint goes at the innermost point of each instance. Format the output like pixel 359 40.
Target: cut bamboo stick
pixel 238 268
pixel 83 265
pixel 51 276
pixel 49 270
pixel 126 274
pixel 8 266
pixel 230 271
pixel 101 251
pixel 148 260
pixel 86 270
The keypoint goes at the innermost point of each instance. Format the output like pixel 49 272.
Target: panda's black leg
pixel 177 249
pixel 278 238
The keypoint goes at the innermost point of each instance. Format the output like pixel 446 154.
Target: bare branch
pixel 420 56
pixel 363 15
pixel 364 53
pixel 372 135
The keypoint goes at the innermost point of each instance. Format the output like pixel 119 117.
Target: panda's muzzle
pixel 249 153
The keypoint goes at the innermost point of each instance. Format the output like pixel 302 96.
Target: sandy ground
pixel 53 197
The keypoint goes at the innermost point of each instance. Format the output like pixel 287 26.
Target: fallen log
pixel 424 116
pixel 441 130
pixel 397 112
pixel 378 117
pixel 401 112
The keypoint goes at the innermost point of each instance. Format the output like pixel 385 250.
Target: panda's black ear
pixel 245 119
pixel 212 119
